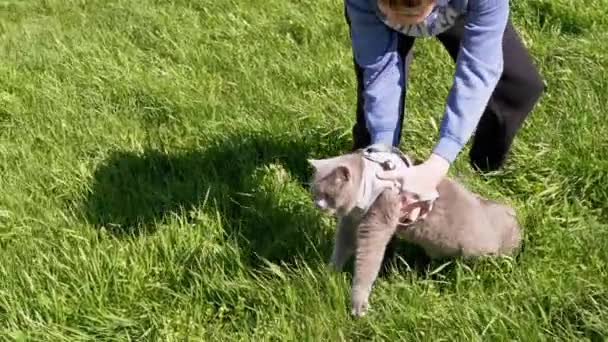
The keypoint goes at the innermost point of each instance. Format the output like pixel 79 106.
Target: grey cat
pixel 460 222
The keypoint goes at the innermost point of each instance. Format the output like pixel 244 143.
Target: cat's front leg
pixel 373 235
pixel 360 300
pixel 344 244
pixel 370 252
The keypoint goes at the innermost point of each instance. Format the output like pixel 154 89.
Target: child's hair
pixel 396 4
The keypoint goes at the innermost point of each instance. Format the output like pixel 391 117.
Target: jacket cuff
pixel 448 148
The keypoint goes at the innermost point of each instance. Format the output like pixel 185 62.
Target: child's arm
pixel 478 69
pixel 375 51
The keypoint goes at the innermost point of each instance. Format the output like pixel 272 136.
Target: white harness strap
pixel 371 187
pixel 380 157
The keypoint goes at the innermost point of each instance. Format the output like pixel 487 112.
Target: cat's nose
pixel 321 204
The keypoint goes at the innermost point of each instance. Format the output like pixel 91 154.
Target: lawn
pixel 153 178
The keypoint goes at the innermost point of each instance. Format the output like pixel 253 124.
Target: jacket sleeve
pixel 478 68
pixel 375 51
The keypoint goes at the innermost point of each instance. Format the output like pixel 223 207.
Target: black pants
pixel 519 88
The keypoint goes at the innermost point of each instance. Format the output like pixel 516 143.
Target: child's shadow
pixel 256 182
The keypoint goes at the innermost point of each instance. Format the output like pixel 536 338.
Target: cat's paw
pixel 360 309
pixel 360 305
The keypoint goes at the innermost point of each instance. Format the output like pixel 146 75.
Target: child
pixel 495 85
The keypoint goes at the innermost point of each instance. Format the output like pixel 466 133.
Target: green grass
pixel 153 178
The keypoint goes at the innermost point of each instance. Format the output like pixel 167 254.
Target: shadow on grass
pixel 233 176
pixel 256 182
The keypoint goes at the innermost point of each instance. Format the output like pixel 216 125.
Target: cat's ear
pixel 315 163
pixel 322 163
pixel 318 164
pixel 343 173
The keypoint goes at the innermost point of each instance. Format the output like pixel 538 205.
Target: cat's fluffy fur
pixel 460 223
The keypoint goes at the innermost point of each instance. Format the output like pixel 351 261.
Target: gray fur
pixel 336 182
pixel 375 230
pixel 461 223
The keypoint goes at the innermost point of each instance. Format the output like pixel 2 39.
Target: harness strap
pixel 374 153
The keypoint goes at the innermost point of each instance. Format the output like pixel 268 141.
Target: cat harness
pixel 382 157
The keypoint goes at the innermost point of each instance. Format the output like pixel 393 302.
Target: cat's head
pixel 336 182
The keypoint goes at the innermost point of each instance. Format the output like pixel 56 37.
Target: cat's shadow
pixel 401 257
pixel 237 176
pixel 256 182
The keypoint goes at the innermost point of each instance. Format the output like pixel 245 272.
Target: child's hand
pixel 421 179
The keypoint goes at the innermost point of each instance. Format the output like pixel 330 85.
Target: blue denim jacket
pixel 478 67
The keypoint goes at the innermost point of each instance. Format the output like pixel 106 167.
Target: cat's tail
pixel 512 235
pixel 512 242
